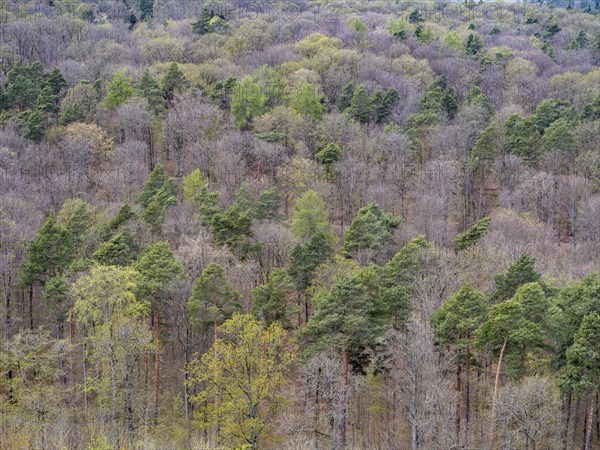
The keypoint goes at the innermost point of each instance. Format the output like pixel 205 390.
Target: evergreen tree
pixel 328 156
pixel 173 82
pixel 266 206
pixel 149 89
pixel 157 180
pixel 35 128
pixel 472 235
pixel 474 44
pixel 234 229
pixel 390 99
pixel 213 300
pixel 361 108
pixel 271 300
pixel 117 251
pixel 304 259
pixel 345 99
pixel 521 272
pixel 370 231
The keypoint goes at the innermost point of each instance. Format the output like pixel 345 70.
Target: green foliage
pixel 358 25
pixel 209 22
pixel 247 102
pixel 213 300
pixel 552 27
pixel 157 268
pixel 550 110
pixel 361 107
pixel 347 319
pixel 271 300
pixel 194 186
pixel 310 216
pixel 35 128
pixel 456 321
pixel 582 373
pixel 396 28
pixel 523 136
pixel 472 235
pixel 370 231
pixel 415 16
pixel 580 41
pixel 304 259
pixel 440 99
pixel 119 90
pixel 243 374
pixel 305 100
pixel 384 107
pixel 173 82
pixel 266 206
pixel 118 251
pixel 345 99
pixel 328 156
pixel 519 322
pixel 50 253
pixel 149 89
pixel 158 194
pixel 272 84
pixel 559 138
pixel 521 272
pixel 474 44
pixel 452 40
pixel 234 229
pixel 424 34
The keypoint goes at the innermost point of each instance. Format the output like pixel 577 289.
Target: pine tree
pixel 173 82
pixel 149 89
pixel 521 272
pixel 472 235
pixel 361 108
pixel 306 101
pixel 474 44
pixel 247 102
pixel 271 300
pixel 346 97
pixel 310 216
pixel 35 128
pixel 213 300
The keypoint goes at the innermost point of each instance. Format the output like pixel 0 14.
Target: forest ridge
pixel 299 225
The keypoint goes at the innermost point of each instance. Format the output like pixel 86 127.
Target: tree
pixel 247 102
pixel 305 100
pixel 521 272
pixel 519 322
pixel 214 299
pixel 361 107
pixel 347 320
pixel 358 25
pixel 194 186
pixel 470 237
pixel 582 373
pixel 209 22
pixel 474 44
pixel 115 336
pixel 120 89
pixel 370 231
pixel 243 374
pixel 149 89
pixel 157 268
pixel 173 82
pixel 35 129
pixel 346 97
pixel 158 194
pixel 328 156
pixel 234 229
pixel 309 216
pixel 271 300
pixel 455 323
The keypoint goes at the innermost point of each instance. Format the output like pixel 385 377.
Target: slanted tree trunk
pixel 495 397
pixel 31 306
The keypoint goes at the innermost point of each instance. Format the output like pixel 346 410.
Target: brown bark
pixel 157 365
pixel 458 395
pixel 467 396
pixel 575 424
pixel 495 397
pixel 568 420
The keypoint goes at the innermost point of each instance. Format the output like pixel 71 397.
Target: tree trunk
pixel 31 306
pixel 340 437
pixel 157 365
pixel 575 424
pixel 458 402
pixel 567 421
pixel 588 428
pixel 467 396
pixel 495 397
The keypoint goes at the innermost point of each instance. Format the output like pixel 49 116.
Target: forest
pixel 299 224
